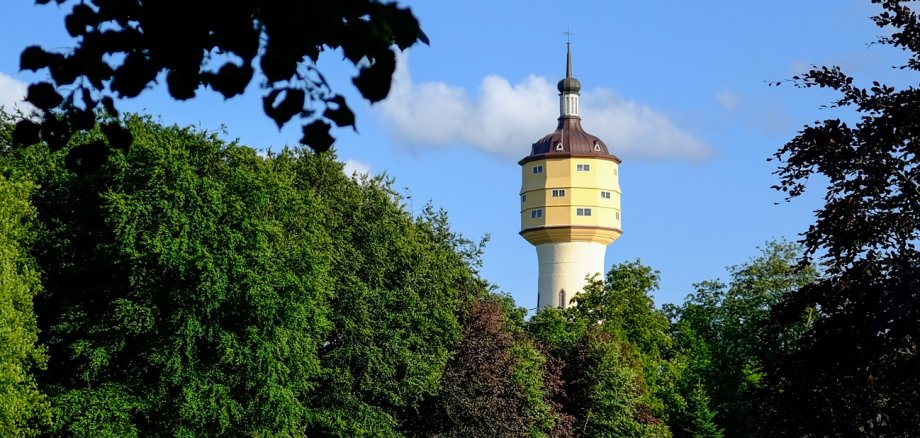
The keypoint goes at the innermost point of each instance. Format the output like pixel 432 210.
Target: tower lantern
pixel 570 201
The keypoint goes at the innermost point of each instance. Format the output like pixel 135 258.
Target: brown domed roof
pixel 573 140
pixel 569 139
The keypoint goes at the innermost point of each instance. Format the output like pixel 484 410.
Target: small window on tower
pixel 618 215
pixel 583 211
pixel 597 147
pixel 583 167
pixel 536 213
pixel 538 169
pixel 605 195
pixel 558 193
pixel 523 198
pixel 559 146
pixel 562 302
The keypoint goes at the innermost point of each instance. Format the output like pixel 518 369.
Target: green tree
pixel 477 396
pixel 725 332
pixel 495 383
pixel 121 47
pixel 400 288
pixel 194 288
pixel 855 370
pixel 611 344
pixel 23 407
pixel 606 391
pixel 184 294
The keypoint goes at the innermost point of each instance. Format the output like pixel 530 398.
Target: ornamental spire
pixel 568 87
pixel 568 58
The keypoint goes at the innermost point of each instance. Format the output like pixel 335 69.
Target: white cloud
pixel 12 93
pixel 506 119
pixel 353 167
pixel 728 100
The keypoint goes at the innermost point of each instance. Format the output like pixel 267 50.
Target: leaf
pixel 374 81
pixel 403 24
pixel 130 79
pixel 26 133
pixel 35 58
pixel 43 96
pixel 87 158
pixel 81 17
pixel 341 114
pixel 316 135
pixel 290 105
pixel 118 136
pixel 182 84
pixel 55 132
pixel 278 62
pixel 65 70
pixel 423 38
pixel 81 119
pixel 109 106
pixel 231 79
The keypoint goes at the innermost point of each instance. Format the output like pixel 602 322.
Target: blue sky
pixel 677 89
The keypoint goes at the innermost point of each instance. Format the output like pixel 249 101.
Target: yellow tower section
pixel 570 201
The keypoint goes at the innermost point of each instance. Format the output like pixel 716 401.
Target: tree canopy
pixel 23 408
pixel 192 287
pixel 855 370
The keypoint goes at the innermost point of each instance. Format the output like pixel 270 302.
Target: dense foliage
pixel 493 383
pixel 22 406
pixel 192 287
pixel 856 369
pixel 726 334
pixel 121 47
pixel 610 350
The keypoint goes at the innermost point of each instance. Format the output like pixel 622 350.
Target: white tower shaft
pixel 563 267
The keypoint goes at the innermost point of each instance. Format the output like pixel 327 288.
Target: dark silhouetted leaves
pixel 182 84
pixel 79 19
pixel 231 79
pixel 855 370
pixel 316 135
pixel 82 119
pixel 109 106
pixel 374 81
pixel 291 104
pixel 341 114
pixel 26 133
pixel 404 25
pixel 43 96
pixel 133 76
pixel 86 158
pixel 278 63
pixel 64 71
pixel 121 47
pixel 55 132
pixel 118 136
pixel 422 37
pixel 35 58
